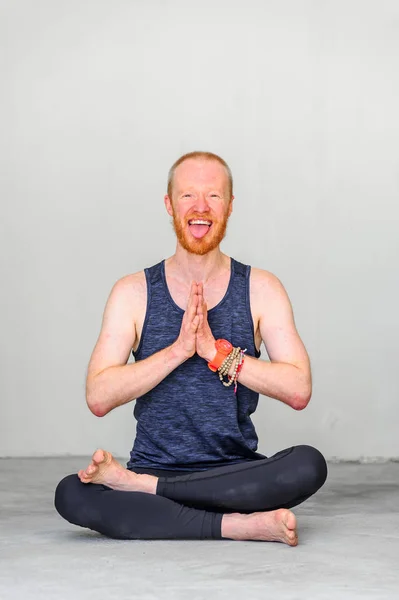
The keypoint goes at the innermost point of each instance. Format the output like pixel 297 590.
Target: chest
pixel 214 293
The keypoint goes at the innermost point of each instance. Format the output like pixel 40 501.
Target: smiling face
pixel 201 204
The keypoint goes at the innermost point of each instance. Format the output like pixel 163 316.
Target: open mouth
pixel 199 227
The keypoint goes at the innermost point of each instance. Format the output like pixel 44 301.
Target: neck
pixel 193 267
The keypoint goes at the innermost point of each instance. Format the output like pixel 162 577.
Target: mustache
pixel 205 216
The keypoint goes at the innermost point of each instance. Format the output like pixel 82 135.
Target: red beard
pixel 209 242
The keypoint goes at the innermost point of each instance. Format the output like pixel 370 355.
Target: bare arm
pixel 110 381
pixel 287 377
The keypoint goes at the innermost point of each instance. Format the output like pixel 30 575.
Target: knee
pixel 313 467
pixel 66 499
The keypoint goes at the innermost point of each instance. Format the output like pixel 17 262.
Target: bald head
pixel 201 157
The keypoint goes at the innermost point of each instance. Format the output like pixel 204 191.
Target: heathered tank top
pixel 190 421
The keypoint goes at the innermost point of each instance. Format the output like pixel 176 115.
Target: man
pixel 195 323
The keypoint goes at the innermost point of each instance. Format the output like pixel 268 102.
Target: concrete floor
pixel 348 533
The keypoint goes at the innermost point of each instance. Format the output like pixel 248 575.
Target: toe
pixel 290 538
pixel 289 520
pixel 91 469
pixel 98 456
pixel 291 535
pixel 83 477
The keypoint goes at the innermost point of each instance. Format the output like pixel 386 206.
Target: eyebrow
pixel 185 190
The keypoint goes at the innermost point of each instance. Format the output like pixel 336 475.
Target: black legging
pixel 191 506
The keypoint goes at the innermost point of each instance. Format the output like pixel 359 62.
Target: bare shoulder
pixel 128 297
pixel 122 321
pixel 265 285
pixel 131 285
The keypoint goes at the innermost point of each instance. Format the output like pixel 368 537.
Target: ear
pixel 168 205
pixel 231 206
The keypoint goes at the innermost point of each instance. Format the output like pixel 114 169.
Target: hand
pixel 205 342
pixel 186 342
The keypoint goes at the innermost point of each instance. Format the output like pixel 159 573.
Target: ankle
pixel 146 483
pixel 236 526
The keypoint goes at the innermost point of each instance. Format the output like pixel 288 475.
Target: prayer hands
pixel 188 330
pixel 195 334
pixel 205 342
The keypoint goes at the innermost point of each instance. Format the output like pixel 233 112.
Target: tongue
pixel 199 231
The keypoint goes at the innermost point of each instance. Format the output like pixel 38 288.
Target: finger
pixel 195 292
pixel 200 322
pixel 192 292
pixel 200 297
pixel 194 323
pixel 204 305
pixel 202 308
pixel 199 305
pixel 192 307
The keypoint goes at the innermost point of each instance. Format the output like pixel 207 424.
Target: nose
pixel 201 203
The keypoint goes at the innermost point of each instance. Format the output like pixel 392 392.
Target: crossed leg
pixel 201 505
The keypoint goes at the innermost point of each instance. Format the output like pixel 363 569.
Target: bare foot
pixel 274 526
pixel 105 470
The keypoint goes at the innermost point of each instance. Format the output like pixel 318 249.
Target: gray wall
pixel 99 98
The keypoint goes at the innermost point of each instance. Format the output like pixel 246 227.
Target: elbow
pixel 97 410
pixel 94 404
pixel 301 399
pixel 300 404
pixel 95 407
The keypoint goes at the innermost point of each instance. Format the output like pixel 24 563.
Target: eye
pixel 215 196
pixel 186 195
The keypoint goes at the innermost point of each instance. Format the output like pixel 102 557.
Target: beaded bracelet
pixel 236 356
pixel 239 369
pixel 227 364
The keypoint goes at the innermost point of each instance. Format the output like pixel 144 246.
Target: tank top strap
pixel 240 269
pixel 154 274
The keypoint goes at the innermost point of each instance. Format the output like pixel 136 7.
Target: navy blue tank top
pixel 190 420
